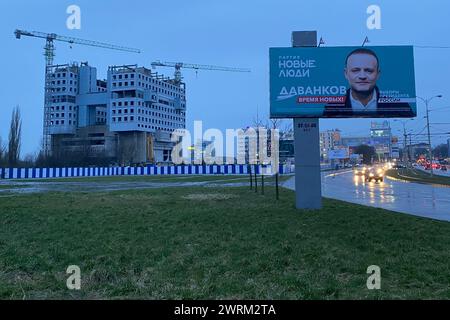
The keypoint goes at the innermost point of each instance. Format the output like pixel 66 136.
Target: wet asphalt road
pixel 430 201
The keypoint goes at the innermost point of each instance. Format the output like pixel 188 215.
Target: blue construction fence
pixel 39 173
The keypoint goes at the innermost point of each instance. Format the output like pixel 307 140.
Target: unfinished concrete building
pixel 127 118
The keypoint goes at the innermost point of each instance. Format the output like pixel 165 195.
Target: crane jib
pixel 53 36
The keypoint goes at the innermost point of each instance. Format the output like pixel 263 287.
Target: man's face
pixel 362 72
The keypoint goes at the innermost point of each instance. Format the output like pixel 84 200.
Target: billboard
pixel 395 155
pixel 342 153
pixel 342 82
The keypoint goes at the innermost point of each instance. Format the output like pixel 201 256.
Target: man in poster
pixel 362 71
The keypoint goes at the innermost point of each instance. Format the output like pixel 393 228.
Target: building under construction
pixel 127 118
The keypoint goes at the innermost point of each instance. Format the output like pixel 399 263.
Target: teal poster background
pixel 319 72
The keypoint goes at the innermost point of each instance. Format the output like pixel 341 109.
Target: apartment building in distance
pixel 329 140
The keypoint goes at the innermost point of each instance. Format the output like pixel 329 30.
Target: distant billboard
pixel 342 82
pixel 339 154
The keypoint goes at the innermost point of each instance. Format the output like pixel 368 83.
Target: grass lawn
pixel 215 243
pixel 8 186
pixel 418 176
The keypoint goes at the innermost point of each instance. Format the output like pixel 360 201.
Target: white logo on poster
pixel 374 280
pixel 74 20
pixel 220 150
pixel 374 20
pixel 74 281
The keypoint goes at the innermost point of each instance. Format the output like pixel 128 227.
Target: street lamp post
pixel 430 151
pixel 403 122
pixel 427 101
pixel 410 149
pixel 256 169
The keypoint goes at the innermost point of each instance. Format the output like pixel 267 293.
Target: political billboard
pixel 342 82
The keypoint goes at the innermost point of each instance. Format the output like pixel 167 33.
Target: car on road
pixel 376 175
pixel 388 165
pixel 435 165
pixel 360 171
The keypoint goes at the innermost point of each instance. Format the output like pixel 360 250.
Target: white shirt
pixel 358 106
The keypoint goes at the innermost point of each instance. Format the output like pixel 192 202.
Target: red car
pixel 436 166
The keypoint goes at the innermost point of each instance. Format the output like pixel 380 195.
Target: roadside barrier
pixel 39 173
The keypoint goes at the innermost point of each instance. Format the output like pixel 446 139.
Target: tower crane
pixel 179 65
pixel 51 37
pixel 49 54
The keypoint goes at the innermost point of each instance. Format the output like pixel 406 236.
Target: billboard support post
pixel 308 192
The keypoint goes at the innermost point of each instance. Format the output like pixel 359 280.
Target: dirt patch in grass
pixel 139 196
pixel 208 196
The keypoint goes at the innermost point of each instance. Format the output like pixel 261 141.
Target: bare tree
pixel 258 124
pixel 275 123
pixel 15 133
pixel 275 154
pixel 2 152
pixel 28 160
pixel 286 129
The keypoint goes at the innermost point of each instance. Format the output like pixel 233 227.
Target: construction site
pixel 125 119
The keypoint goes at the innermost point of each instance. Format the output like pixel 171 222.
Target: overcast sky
pixel 233 33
